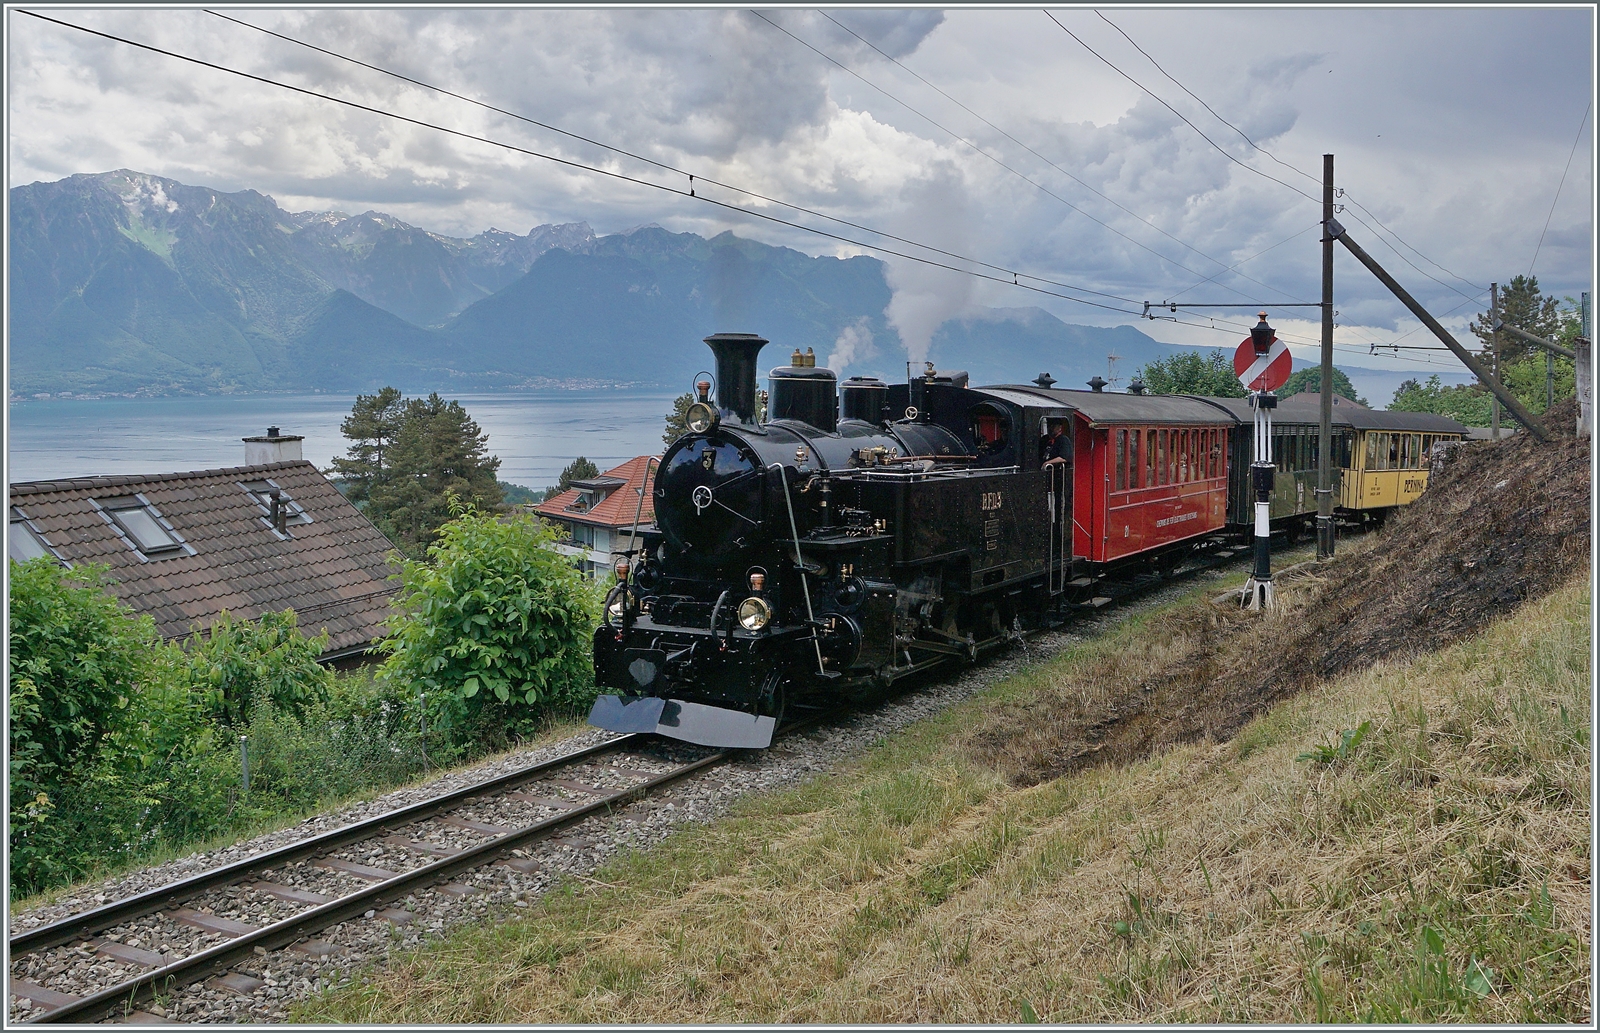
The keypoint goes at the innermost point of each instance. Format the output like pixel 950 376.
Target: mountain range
pixel 123 282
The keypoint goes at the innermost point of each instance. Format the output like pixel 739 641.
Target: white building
pixel 598 514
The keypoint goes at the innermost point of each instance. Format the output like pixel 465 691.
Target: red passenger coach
pixel 1147 479
pixel 1147 471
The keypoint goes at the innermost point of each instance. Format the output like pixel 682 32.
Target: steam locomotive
pixel 865 532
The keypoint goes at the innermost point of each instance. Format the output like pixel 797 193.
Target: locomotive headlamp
pixel 700 417
pixel 621 569
pixel 754 614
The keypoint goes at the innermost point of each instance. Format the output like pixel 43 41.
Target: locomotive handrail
pixel 805 590
pixel 633 532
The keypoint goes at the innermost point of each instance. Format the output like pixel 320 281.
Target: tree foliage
pixel 1190 373
pixel 494 627
pixel 678 419
pixel 80 650
pixel 580 469
pixel 1523 306
pixel 1464 403
pixel 372 426
pixel 238 664
pixel 1310 379
pixel 406 456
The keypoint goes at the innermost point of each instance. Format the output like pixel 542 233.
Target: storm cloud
pixel 1451 127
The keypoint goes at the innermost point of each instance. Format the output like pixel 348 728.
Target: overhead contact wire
pixel 1141 220
pixel 664 166
pixel 968 143
pixel 1220 150
pixel 624 177
pixel 1286 165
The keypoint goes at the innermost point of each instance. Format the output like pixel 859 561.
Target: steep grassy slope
pixel 1435 870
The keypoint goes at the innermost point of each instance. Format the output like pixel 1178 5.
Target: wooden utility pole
pixel 1488 379
pixel 1325 525
pixel 1494 349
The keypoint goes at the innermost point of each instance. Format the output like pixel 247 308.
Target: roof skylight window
pixel 23 543
pixel 136 520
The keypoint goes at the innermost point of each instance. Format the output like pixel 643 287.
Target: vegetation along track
pixel 105 962
pixel 173 936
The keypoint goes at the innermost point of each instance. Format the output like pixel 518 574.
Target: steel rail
pixel 119 999
pixel 89 922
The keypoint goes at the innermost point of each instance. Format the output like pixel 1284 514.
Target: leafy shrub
pixel 77 652
pixel 494 628
pixel 238 664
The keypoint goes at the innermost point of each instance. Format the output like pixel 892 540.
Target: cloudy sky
pixel 994 135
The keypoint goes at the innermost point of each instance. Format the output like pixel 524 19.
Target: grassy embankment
pixel 1433 867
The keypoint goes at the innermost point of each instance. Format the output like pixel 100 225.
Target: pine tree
pixel 372 425
pixel 580 469
pixel 408 456
pixel 677 419
pixel 1524 307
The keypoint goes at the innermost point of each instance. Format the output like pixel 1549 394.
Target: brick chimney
pixel 273 447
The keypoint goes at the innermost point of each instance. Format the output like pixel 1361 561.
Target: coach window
pixel 1216 453
pixel 1163 471
pixel 1150 459
pixel 1122 461
pixel 1134 465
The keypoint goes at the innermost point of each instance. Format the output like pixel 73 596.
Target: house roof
pixel 617 509
pixel 333 570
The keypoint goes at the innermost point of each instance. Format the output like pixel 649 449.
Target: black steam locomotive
pixel 863 534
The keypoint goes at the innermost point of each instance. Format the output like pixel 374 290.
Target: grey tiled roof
pixel 332 571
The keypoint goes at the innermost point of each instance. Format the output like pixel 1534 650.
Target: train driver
pixel 1056 446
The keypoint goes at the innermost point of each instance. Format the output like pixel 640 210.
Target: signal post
pixel 1263 364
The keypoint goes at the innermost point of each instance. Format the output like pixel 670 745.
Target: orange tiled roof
pixel 617 508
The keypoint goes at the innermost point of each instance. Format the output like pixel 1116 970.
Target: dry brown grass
pixel 1437 870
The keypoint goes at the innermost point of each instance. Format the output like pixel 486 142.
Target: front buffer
pixel 654 670
pixel 680 719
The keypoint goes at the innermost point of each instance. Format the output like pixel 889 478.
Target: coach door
pixel 1056 455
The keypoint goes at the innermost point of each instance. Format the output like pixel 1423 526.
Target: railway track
pixel 189 932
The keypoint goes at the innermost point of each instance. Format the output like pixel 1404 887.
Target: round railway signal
pixel 1263 362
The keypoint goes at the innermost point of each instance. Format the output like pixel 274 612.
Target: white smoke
pixel 853 344
pixel 936 210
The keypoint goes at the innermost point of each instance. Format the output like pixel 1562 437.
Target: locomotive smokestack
pixel 736 372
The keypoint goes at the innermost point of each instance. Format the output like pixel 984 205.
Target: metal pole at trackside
pixel 1489 380
pixel 1325 531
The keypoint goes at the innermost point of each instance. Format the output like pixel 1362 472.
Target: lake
pixel 534 433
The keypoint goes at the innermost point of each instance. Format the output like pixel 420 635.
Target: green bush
pixel 494 628
pixel 238 664
pixel 81 648
pixel 122 744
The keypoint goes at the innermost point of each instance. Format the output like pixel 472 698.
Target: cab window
pixel 991 429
